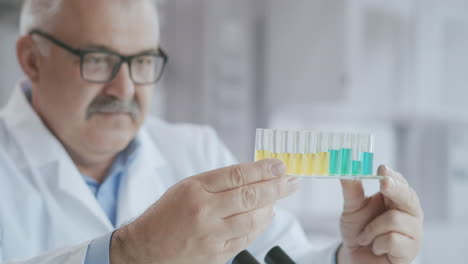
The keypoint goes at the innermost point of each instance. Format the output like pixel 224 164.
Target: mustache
pixel 112 104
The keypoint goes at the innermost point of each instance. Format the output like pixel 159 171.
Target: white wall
pixel 405 68
pixel 10 72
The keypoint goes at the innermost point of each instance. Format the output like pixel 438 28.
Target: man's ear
pixel 28 54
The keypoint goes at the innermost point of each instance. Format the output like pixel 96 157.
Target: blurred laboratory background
pixel 398 69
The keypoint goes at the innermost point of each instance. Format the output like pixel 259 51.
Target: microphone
pixel 244 257
pixel 277 256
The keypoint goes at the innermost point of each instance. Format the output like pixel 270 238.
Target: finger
pixel 239 243
pixel 353 195
pixel 402 196
pixel 242 174
pixel 254 196
pixel 391 221
pixel 384 170
pixel 242 224
pixel 395 245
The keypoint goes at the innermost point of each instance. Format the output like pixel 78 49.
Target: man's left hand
pixel 385 228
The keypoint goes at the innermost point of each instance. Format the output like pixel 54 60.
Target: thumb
pixel 353 195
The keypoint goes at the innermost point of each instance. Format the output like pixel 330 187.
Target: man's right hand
pixel 207 218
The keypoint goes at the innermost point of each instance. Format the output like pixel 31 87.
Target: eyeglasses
pixel 102 66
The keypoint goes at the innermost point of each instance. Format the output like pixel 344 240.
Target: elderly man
pixel 86 177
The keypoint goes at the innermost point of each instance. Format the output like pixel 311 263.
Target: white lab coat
pixel 48 214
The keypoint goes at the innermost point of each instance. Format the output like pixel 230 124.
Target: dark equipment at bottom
pixel 276 255
pixel 244 257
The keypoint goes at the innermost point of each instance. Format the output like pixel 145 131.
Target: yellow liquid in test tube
pixel 295 163
pixel 275 155
pixel 323 162
pixel 263 154
pixel 259 155
pixel 286 158
pixel 300 163
pixel 310 164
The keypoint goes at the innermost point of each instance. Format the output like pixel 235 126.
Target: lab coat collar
pixel 29 130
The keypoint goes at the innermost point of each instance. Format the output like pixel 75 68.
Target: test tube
pixel 301 151
pixel 276 144
pixel 267 143
pixel 259 147
pixel 296 157
pixel 335 154
pixel 323 154
pixel 310 164
pixel 356 164
pixel 367 155
pixel 346 154
pixel 288 150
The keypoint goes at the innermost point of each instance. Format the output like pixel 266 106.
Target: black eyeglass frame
pixel 81 53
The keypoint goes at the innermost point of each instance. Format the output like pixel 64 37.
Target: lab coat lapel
pixel 42 150
pixel 146 181
pixel 71 183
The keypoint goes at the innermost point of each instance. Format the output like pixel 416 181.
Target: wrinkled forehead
pixel 125 26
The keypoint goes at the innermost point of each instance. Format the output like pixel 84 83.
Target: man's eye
pixel 144 61
pixel 96 60
pixel 99 59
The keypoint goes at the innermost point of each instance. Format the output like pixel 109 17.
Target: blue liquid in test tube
pixel 367 156
pixel 356 164
pixel 335 154
pixel 346 155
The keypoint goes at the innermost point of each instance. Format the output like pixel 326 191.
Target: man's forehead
pixel 88 9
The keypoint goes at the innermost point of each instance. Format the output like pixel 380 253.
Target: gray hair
pixel 40 14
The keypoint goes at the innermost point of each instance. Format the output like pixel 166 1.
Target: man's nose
pixel 122 85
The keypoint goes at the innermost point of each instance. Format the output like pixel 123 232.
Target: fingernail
pixel 293 184
pixel 391 183
pixel 382 170
pixel 278 169
pixel 388 169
